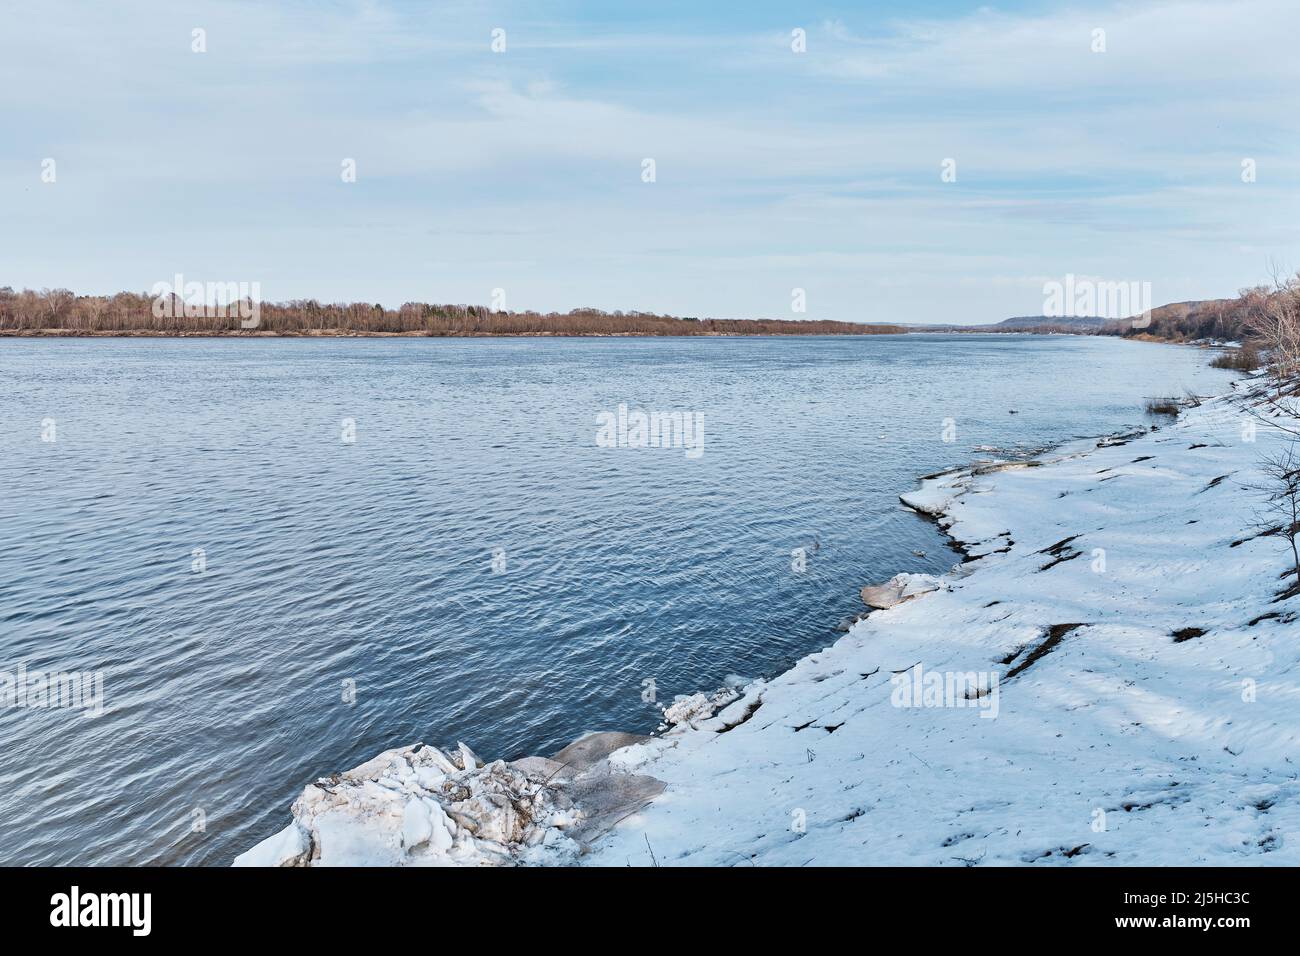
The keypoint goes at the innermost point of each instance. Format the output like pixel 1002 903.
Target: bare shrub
pixel 1279 513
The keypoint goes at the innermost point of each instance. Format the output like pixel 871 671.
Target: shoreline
pixel 331 334
pixel 351 333
pixel 356 334
pixel 768 748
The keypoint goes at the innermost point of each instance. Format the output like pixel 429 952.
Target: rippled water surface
pixel 371 562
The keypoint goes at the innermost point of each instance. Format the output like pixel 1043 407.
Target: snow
pixel 284 848
pixel 1111 742
pixel 415 806
pixel 937 493
pixel 899 588
pixel 688 709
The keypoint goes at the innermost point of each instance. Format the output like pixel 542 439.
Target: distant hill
pixel 1052 322
pixel 1082 325
pixel 1200 319
pixel 1178 321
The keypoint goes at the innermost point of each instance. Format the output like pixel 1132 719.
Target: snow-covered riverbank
pixel 1109 680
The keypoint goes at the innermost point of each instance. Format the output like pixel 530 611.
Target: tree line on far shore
pixel 1264 318
pixel 61 311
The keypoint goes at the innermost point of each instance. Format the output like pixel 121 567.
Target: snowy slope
pixel 1113 742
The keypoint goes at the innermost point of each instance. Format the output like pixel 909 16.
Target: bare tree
pixel 1279 513
pixel 1273 316
pixel 55 302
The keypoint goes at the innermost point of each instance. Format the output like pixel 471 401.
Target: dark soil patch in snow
pixel 1170 797
pixel 1214 483
pixel 1067 556
pixel 1263 534
pixel 1060 546
pixel 1007 546
pixel 1113 441
pixel 1281 618
pixel 1065 851
pixel 1186 634
pixel 1004 661
pixel 1130 807
pixel 1055 634
pixel 1290 592
pixel 750 711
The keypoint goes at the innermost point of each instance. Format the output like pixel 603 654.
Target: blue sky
pixel 774 170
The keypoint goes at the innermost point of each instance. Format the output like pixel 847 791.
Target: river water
pixel 282 556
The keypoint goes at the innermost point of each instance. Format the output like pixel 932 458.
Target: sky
pixel 520 173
